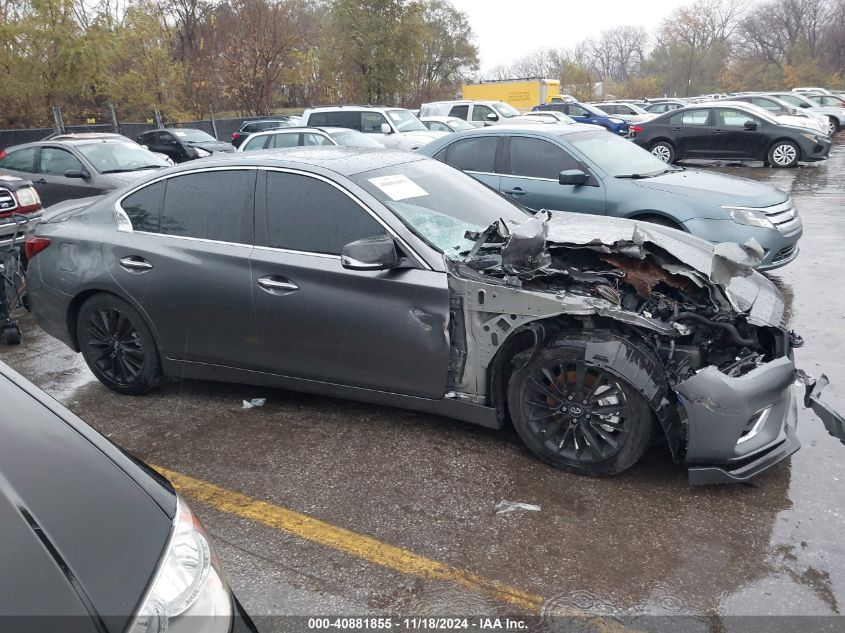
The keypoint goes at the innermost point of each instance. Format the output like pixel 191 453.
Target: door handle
pixel 277 285
pixel 516 191
pixel 41 181
pixel 135 264
pixel 677 129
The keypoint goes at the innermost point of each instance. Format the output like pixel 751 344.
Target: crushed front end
pixel 726 401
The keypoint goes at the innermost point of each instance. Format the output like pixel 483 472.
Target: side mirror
pixel 370 253
pixel 386 129
pixel 77 173
pixel 750 125
pixel 805 105
pixel 492 117
pixel 572 177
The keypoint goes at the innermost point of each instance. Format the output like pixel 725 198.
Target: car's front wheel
pixel 784 154
pixel 117 345
pixel 664 151
pixel 576 414
pixel 832 126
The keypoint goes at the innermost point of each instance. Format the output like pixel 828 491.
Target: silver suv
pixel 395 128
pixel 476 112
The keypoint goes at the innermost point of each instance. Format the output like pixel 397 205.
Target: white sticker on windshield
pixel 399 187
pixel 180 134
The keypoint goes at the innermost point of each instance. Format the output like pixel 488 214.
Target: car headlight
pixel 750 217
pixel 201 153
pixel 28 197
pixel 811 137
pixel 188 583
pixel 616 121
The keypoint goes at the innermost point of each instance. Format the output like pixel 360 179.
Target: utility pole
pixel 58 123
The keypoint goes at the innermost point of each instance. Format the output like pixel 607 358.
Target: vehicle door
pixel 531 173
pixel 692 133
pixel 20 162
pixel 475 156
pixel 182 256
pixel 738 134
pixel 52 181
pixel 382 330
pixel 580 114
pixel 371 123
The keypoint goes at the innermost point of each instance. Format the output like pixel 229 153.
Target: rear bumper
pixel 739 427
pixel 49 306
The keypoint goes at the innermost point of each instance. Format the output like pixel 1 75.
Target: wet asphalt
pixel 641 543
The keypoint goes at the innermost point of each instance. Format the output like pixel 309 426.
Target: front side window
pixel 536 158
pixel 259 142
pixel 480 112
pixel 20 160
pixel 311 139
pixel 576 110
pixel 691 117
pixel 473 154
pixel 212 205
pixel 733 118
pixel 371 122
pixel 310 215
pixel 58 161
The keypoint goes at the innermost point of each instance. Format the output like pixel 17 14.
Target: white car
pixel 447 124
pixel 628 112
pixel 546 116
pixel 307 137
pixel 395 128
pixel 808 123
pixel 829 101
pixel 484 112
pixel 777 108
pixel 823 91
pixel 834 117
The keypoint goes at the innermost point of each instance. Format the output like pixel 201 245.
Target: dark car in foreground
pixel 88 165
pixel 181 144
pixel 586 113
pixel 93 539
pixel 729 132
pixel 251 127
pixel 392 278
pixel 583 169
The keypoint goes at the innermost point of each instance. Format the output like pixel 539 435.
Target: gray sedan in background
pixel 80 166
pixel 387 277
pixel 582 169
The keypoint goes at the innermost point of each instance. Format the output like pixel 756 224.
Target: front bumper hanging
pixel 833 421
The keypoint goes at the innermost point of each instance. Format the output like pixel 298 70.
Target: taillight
pixel 234 135
pixel 35 245
pixel 636 129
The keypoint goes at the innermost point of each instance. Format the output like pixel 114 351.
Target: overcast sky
pixel 508 29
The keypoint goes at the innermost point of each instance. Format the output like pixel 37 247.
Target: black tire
pixel 832 126
pixel 117 345
pixel 575 414
pixel 783 154
pixel 12 334
pixel 663 150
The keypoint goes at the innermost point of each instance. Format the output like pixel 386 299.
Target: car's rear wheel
pixel 832 126
pixel 117 345
pixel 664 151
pixel 578 415
pixel 784 154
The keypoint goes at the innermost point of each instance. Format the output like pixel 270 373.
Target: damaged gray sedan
pixel 391 278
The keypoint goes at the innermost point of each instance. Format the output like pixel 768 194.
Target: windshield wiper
pixel 651 175
pixel 128 169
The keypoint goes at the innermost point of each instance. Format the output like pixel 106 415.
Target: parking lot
pixel 327 506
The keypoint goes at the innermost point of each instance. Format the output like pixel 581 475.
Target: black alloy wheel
pixel 117 345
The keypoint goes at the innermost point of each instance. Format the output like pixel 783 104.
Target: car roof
pixel 345 161
pixel 61 141
pixel 546 129
pixel 354 108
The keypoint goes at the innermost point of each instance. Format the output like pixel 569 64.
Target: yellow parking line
pixel 364 547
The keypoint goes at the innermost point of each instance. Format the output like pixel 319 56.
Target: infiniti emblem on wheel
pixel 575 410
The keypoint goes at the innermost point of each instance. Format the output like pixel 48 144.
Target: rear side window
pixel 473 154
pixel 285 140
pixel 144 207
pixel 309 215
pixel 460 111
pixel 536 158
pixel 213 205
pixel 260 142
pixel 690 117
pixel 20 160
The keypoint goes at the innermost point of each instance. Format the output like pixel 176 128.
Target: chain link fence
pixel 221 129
